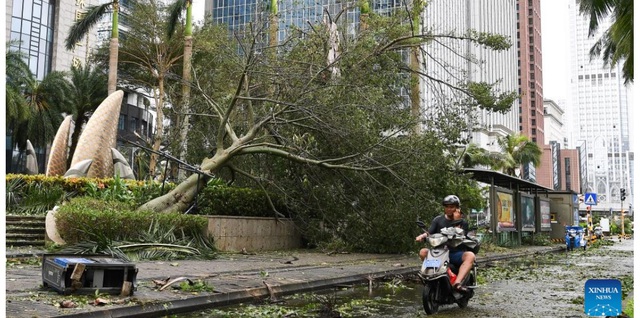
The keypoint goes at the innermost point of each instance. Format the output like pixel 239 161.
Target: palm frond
pixel 13 188
pixel 175 10
pixel 81 27
pixel 596 10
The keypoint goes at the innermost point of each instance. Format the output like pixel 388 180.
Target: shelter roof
pixel 506 181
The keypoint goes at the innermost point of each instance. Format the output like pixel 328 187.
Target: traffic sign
pixel 590 198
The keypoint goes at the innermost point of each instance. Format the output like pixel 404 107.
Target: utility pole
pixel 623 196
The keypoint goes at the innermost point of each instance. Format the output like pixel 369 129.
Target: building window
pixel 533 131
pixel 121 122
pixel 32 28
pixel 133 124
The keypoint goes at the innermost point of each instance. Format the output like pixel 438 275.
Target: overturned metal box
pixel 85 274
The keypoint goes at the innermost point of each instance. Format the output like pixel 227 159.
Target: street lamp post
pixel 623 196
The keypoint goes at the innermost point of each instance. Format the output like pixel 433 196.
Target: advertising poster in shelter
pixel 545 216
pixel 528 214
pixel 505 211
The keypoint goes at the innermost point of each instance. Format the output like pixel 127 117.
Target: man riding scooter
pixel 462 258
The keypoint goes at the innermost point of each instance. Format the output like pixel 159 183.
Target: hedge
pixel 215 199
pixel 224 200
pixel 84 218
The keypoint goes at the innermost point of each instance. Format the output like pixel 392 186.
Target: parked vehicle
pixel 438 274
pixel 574 237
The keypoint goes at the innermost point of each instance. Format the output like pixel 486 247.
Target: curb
pixel 224 299
pixel 231 298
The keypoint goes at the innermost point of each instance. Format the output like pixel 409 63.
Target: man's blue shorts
pixel 455 257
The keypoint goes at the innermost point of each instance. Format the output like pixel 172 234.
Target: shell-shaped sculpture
pixel 79 170
pixel 121 166
pixel 57 165
pixel 32 161
pixel 99 136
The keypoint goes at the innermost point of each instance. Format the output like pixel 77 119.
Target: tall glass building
pixel 237 14
pixel 31 29
pixel 456 61
pixel 600 103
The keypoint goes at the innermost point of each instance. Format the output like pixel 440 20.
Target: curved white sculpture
pixel 57 164
pixel 99 136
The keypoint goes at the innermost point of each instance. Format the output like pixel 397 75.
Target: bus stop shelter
pixel 520 208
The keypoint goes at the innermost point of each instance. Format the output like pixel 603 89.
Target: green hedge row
pixel 36 194
pixel 224 200
pixel 89 219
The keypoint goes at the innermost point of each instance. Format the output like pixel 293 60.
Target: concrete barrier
pixel 235 233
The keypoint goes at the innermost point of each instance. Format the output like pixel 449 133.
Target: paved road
pixel 235 278
pixel 545 286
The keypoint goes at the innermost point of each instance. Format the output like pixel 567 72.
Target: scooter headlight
pixel 437 240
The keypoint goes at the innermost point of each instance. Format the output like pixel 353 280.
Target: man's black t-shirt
pixel 440 222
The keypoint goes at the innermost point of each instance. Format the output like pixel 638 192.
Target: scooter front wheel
pixel 429 299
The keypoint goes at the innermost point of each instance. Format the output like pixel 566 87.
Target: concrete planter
pixel 235 233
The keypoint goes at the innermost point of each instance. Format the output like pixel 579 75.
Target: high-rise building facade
pixel 39 28
pixel 554 123
pixel 531 106
pixel 600 102
pixel 456 61
pixel 530 103
pixel 237 14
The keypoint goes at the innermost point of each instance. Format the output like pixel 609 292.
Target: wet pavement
pixel 234 278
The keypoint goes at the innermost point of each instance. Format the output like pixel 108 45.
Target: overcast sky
pixel 555 38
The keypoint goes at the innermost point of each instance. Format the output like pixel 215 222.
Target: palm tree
pixel 365 9
pixel 81 28
pixel 17 71
pixel 147 58
pixel 616 43
pixel 175 11
pixel 87 92
pixel 473 155
pixel 45 102
pixel 517 150
pixel 273 24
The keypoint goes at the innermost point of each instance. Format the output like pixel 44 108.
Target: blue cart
pixel 574 238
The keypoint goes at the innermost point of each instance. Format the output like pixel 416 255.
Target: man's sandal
pixel 460 288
